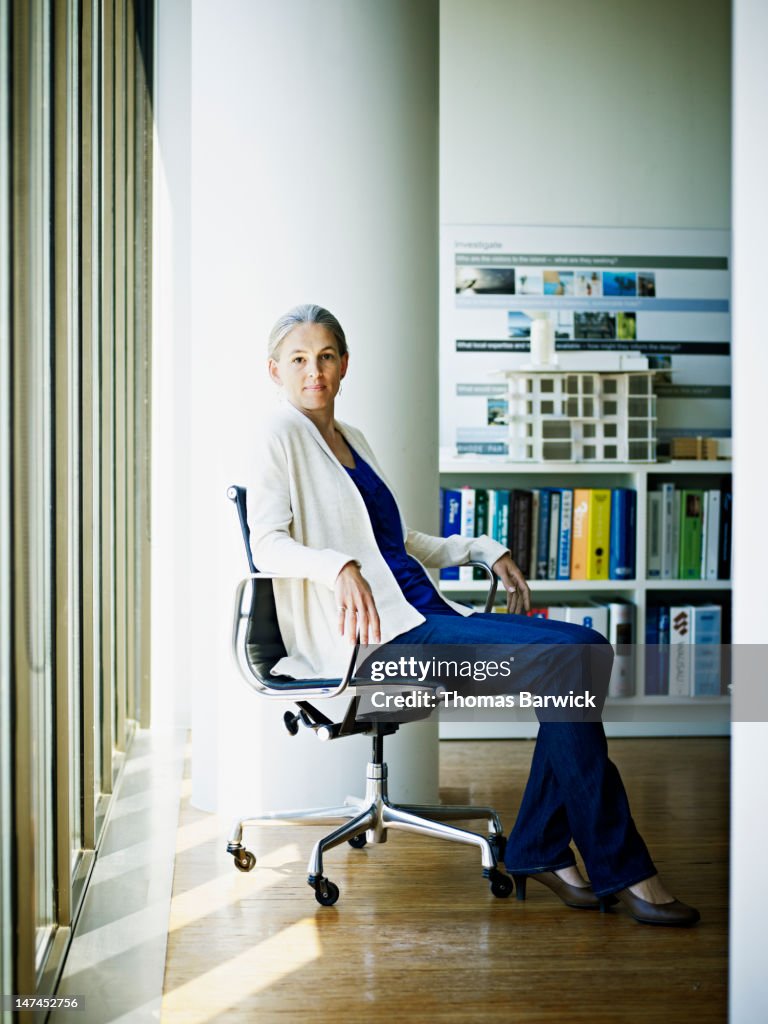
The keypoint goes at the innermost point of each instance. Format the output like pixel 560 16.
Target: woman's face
pixel 309 368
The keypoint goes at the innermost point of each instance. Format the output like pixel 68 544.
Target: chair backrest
pixel 265 645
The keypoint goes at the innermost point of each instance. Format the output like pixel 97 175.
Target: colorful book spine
pixel 664 633
pixel 711 543
pixel 706 640
pixel 542 556
pixel 668 567
pixel 651 646
pixel 592 615
pixel 502 512
pixel 621 633
pixel 599 534
pixel 680 651
pixel 725 543
pixel 657 650
pixel 451 525
pixel 579 548
pixel 533 553
pixel 690 535
pixel 467 527
pixel 554 534
pixel 481 523
pixel 564 536
pixel 520 528
pixel 676 533
pixel 621 565
pixel 653 543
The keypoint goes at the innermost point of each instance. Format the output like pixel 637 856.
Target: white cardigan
pixel 307 520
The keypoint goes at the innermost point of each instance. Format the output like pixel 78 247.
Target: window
pixel 74 459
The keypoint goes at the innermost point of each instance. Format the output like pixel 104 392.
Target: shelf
pixel 692 466
pixel 552 586
pixel 493 464
pixel 626 716
pixel 656 584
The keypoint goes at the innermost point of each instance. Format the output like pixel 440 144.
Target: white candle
pixel 542 341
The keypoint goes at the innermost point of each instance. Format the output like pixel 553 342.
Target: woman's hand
pixel 357 609
pixel 518 591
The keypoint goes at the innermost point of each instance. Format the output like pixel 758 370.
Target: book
pixel 680 651
pixel 520 528
pixel 657 650
pixel 706 637
pixel 590 614
pixel 651 645
pixel 467 526
pixel 534 550
pixel 690 534
pixel 450 518
pixel 668 567
pixel 579 547
pixel 621 562
pixel 653 543
pixel 542 557
pixel 676 533
pixel 621 633
pixel 598 534
pixel 493 512
pixel 557 613
pixel 711 542
pixel 502 518
pixel 726 526
pixel 553 547
pixel 664 647
pixel 481 523
pixel 564 537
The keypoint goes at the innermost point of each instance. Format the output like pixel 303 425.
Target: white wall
pixel 585 112
pixel 749 809
pixel 297 146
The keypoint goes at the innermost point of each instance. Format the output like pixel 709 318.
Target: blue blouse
pixel 385 520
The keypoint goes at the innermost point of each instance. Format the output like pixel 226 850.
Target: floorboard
pixel 417 935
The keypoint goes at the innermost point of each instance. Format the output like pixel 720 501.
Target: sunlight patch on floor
pixel 260 965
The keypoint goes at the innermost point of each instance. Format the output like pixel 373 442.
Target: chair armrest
pixel 493 583
pixel 240 639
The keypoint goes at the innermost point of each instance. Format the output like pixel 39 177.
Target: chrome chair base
pixel 370 818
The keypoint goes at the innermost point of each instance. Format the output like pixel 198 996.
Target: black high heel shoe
pixel 673 914
pixel 576 896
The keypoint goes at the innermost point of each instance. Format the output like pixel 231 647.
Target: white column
pixel 749 821
pixel 312 177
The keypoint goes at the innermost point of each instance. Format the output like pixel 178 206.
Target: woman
pixel 322 513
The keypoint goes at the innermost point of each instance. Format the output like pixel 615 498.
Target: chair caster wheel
pixel 326 892
pixel 245 860
pixel 358 842
pixel 501 884
pixel 498 845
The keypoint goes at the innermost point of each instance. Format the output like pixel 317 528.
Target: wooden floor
pixel 417 936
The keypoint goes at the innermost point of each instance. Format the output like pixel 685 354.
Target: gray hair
pixel 308 313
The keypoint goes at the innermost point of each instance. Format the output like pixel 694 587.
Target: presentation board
pixel 659 293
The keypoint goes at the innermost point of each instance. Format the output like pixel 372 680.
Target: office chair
pixel 257 646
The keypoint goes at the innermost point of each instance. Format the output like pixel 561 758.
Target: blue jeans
pixel 574 791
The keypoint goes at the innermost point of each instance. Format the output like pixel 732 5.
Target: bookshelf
pixel 639 715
